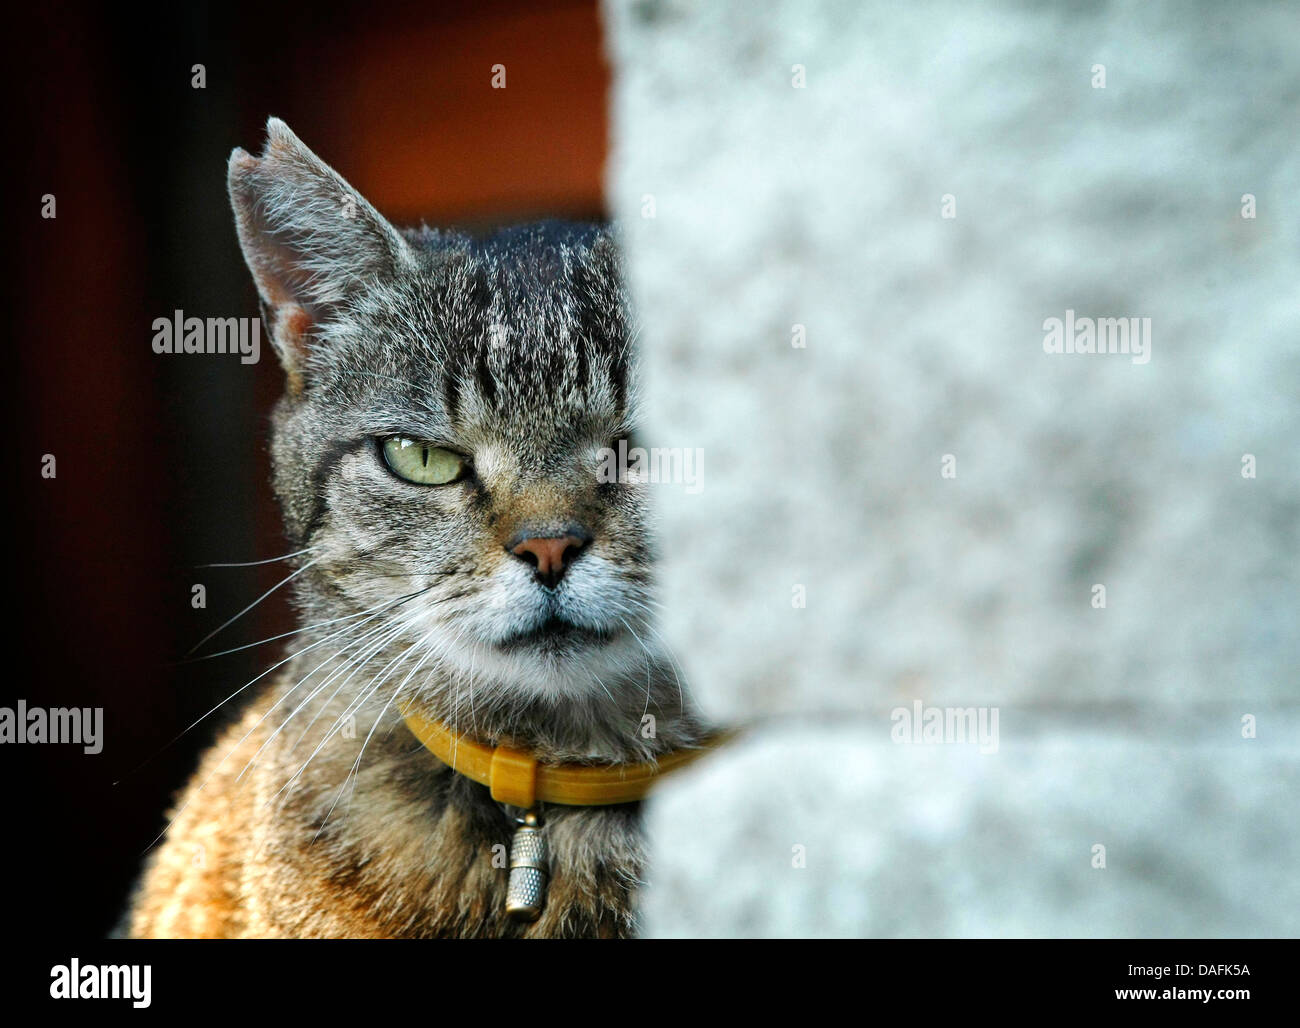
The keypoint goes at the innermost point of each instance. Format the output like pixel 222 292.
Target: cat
pixel 434 454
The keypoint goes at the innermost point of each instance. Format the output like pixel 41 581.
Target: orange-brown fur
pixel 412 856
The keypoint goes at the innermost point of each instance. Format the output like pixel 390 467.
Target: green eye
pixel 422 463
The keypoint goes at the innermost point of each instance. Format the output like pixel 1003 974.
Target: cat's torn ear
pixel 309 238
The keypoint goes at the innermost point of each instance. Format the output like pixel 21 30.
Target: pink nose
pixel 550 556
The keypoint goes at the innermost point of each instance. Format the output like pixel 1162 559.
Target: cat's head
pixel 438 450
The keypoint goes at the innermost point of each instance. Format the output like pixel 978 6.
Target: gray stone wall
pixel 911 191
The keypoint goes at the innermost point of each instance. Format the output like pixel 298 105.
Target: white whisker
pixel 257 563
pixel 226 624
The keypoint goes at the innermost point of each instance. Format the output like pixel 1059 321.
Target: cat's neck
pixel 628 721
pixel 559 731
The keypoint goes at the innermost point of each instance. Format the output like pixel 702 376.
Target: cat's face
pixel 439 450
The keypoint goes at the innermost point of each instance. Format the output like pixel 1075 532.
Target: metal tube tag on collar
pixel 515 777
pixel 529 870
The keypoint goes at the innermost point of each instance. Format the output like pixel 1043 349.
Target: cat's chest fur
pixel 407 849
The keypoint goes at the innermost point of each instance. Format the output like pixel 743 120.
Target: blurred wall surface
pixel 849 226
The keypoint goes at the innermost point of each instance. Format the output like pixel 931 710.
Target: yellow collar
pixel 516 778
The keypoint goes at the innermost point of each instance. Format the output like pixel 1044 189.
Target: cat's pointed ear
pixel 309 238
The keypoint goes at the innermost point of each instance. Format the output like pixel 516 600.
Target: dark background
pixel 161 461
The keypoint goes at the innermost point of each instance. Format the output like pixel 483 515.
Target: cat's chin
pixel 558 637
pixel 554 661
